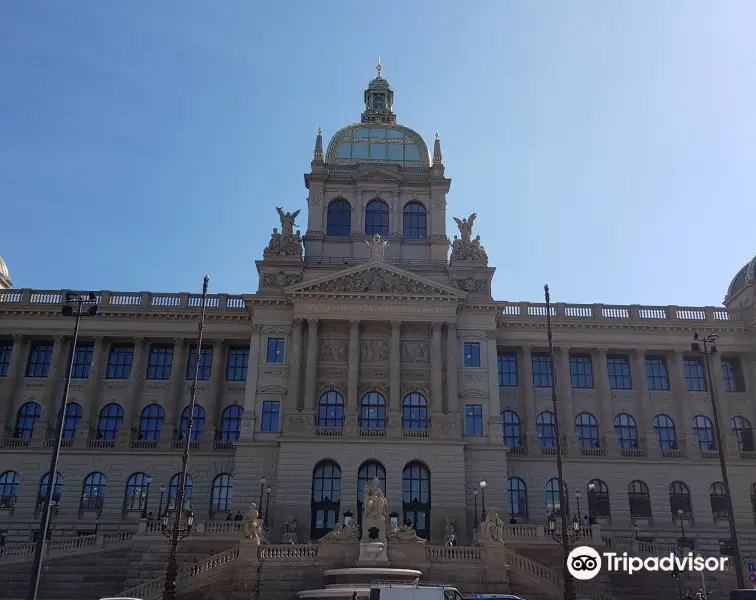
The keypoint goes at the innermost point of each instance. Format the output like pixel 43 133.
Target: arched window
pixel 415 221
pixel 9 483
pixel 586 429
pixel 553 498
pixel 510 428
pixel 518 498
pixel 414 412
pixel 111 417
pixel 231 419
pixel 137 491
pixel 598 500
pixel 416 497
pixel 173 491
pixel 57 489
pixel 718 499
pixel 664 427
pixel 704 432
pixel 26 419
pixel 198 423
pixel 339 222
pixel 545 429
pixel 367 472
pixel 326 498
pixel 373 411
pixel 93 492
pixel 640 500
pixel 222 492
pixel 377 218
pixel 743 431
pixel 331 410
pixel 151 422
pixel 679 500
pixel 627 431
pixel 74 414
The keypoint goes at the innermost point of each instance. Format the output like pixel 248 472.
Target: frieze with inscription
pixel 372 374
pixel 474 376
pixel 275 372
pixel 415 375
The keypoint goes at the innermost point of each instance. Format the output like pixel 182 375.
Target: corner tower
pixel 376 176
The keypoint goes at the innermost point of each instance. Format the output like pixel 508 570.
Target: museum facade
pixel 373 348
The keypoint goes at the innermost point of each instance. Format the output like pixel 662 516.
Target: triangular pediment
pixel 375 278
pixel 377 175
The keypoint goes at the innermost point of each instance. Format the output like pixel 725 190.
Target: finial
pixel 317 154
pixel 438 137
pixel 379 68
pixel 437 156
pixel 320 131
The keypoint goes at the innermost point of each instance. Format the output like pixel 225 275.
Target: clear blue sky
pixel 608 147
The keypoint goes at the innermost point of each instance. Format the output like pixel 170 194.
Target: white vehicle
pixel 405 591
pixel 120 599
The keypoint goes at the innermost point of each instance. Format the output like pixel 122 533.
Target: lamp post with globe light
pixel 483 485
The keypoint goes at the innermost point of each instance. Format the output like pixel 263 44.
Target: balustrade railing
pixel 288 551
pixel 20 552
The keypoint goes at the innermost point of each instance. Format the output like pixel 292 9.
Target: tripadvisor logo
pixel 584 563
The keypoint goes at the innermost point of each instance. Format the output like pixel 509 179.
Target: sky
pixel 607 147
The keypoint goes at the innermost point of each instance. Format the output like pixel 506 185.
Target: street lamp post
pixel 569 587
pixel 591 490
pixel 160 506
pixel 577 499
pixel 263 481
pixel 268 492
pixel 680 545
pixel 178 531
pixel 79 301
pixel 483 485
pixel 707 345
pixel 475 501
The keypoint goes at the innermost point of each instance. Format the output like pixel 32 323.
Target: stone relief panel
pixel 471 285
pixel 376 280
pixel 280 280
pixel 374 351
pixel 333 350
pixel 415 352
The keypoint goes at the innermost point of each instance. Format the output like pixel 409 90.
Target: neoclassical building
pixel 373 348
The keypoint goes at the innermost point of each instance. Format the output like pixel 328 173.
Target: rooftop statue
pixel 286 243
pixel 467 248
pixel 377 247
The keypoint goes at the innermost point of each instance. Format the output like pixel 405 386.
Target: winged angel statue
pixel 286 242
pixel 467 248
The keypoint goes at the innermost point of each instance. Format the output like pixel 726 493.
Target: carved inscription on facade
pixel 475 376
pixel 415 352
pixel 333 351
pixel 372 351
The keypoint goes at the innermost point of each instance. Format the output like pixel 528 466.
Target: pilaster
pixel 218 376
pixel 645 411
pixel 353 375
pixel 176 380
pixel 604 393
pixel 395 367
pixel 99 360
pixel 57 370
pixel 677 383
pixel 452 375
pixel 494 403
pixel 436 369
pixel 527 394
pixel 137 375
pixel 311 368
pixel 294 355
pixel 19 356
pixel 250 391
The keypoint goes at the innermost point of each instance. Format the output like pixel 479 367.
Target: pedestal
pixel 373 554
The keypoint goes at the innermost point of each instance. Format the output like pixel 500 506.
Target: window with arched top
pixel 718 499
pixel 627 431
pixel 74 415
pixel 56 489
pixel 704 432
pixel 9 484
pixel 326 498
pixel 339 219
pixel 414 221
pixel 231 419
pixel 416 497
pixel 679 500
pixel 599 506
pixel 553 497
pixel 198 423
pixel 640 500
pixel 173 491
pixel 586 429
pixel 111 417
pixel 26 418
pixel 377 218
pixel 373 411
pixel 151 422
pixel 331 410
pixel 368 471
pixel 414 411
pixel 518 498
pixel 545 429
pixel 743 431
pixel 222 492
pixel 137 492
pixel 511 428
pixel 93 491
pixel 664 427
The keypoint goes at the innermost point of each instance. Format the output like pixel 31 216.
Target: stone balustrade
pixel 291 552
pixel 19 553
pixel 452 553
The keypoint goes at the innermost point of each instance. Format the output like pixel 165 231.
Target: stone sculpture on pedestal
pixel 467 248
pixel 251 526
pixel 286 243
pixel 289 531
pixel 374 520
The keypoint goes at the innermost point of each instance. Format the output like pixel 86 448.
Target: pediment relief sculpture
pixel 471 285
pixel 287 242
pixel 464 247
pixel 415 352
pixel 378 281
pixel 280 280
pixel 372 351
pixel 333 351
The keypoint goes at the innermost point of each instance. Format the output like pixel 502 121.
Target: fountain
pixel 373 563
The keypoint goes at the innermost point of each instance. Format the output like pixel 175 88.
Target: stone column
pixel 218 377
pixel 311 369
pixel 494 401
pixel 565 399
pixel 452 381
pixel 645 416
pixel 294 355
pixel 57 370
pixel 136 379
pixel 437 402
pixel 353 375
pixel 601 377
pixel 682 418
pixel 176 386
pixel 16 374
pixel 99 362
pixel 395 367
pixel 527 395
pixel 250 391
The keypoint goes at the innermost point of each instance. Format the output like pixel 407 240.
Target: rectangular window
pixel 731 373
pixel 237 364
pixel 693 373
pixel 656 373
pixel 205 363
pixel 581 371
pixel 40 357
pixel 271 416
pixel 507 366
pixel 473 419
pixel 275 353
pixel 160 362
pixel 472 354
pixel 119 362
pixel 82 361
pixel 6 350
pixel 541 370
pixel 619 373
